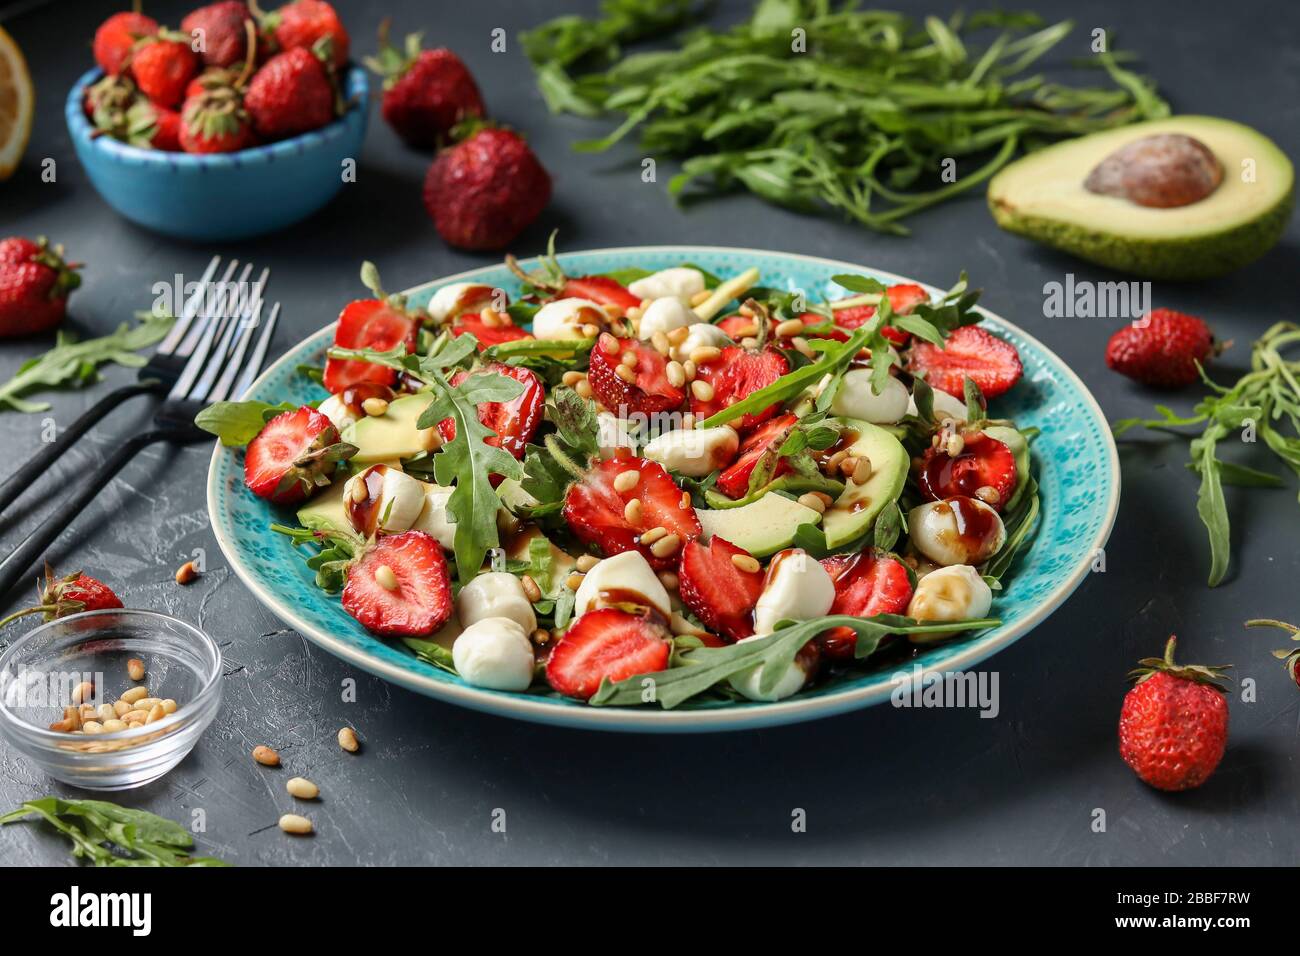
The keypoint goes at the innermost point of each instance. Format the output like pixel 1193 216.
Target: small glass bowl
pixel 39 671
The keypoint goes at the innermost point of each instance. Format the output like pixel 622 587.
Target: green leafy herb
pixel 431 652
pixel 1019 524
pixel 859 111
pixel 237 423
pixel 73 363
pixel 564 454
pixel 106 834
pixel 333 557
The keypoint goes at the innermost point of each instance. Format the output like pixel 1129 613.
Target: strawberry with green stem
pixel 214 118
pixel 1290 657
pixel 35 283
pixel 70 594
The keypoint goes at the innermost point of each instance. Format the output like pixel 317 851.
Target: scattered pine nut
pixel 660 342
pixel 540 636
pixel 987 494
pixel 678 335
pixel 685 501
pixel 689 369
pixel 675 374
pixel 702 390
pixel 625 373
pixel 955 445
pixel 789 327
pixel 745 562
pixel 583 389
pixel 302 788
pixel 590 331
pixel 170 706
pixel 531 590
pixel 113 726
pixel 92 727
pixel 121 708
pixel 186 573
pixel 705 353
pixel 833 463
pixel 83 692
pixel 572 378
pixel 348 740
pixel 802 347
pixel 490 318
pixel 862 471
pixel 632 511
pixel 386 578
pixel 374 406
pixel 298 826
pixel 587 561
pixel 670 581
pixel 266 756
pixel 625 481
pixel 827 500
pixel 813 501
pixel 155 713
pixel 573 581
pixel 666 546
pixel 653 535
pixel 608 344
pixel 105 712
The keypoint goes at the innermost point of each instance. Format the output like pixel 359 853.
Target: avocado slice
pixel 761 527
pixel 1043 197
pixel 391 435
pixel 855 510
pixel 325 511
pixel 791 484
pixel 1019 446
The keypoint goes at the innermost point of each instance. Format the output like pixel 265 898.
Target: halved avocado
pixel 391 435
pixel 761 527
pixel 1043 197
pixel 325 511
pixel 1019 446
pixel 791 484
pixel 855 510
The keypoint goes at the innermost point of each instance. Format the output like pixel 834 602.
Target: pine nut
pixel 666 546
pixel 670 581
pixel 92 727
pixel 121 708
pixel 298 826
pixel 745 562
pixel 170 706
pixel 749 342
pixel 374 406
pixel 789 328
pixel 612 311
pixel 590 331
pixel 540 636
pixel 684 502
pixel 266 756
pixel 745 331
pixel 135 669
pixel 348 740
pixel 572 378
pixel 678 335
pixel 811 500
pixel 862 473
pixel 113 726
pixel 629 359
pixel 826 499
pixel 573 581
pixel 676 374
pixel 625 481
pixel 64 726
pixel 186 573
pixel 147 703
pixel 705 353
pixel 987 494
pixel 955 445
pixel 587 561
pixel 660 342
pixel 608 344
pixel 583 389
pixel 802 347
pixel 688 420
pixel 490 318
pixel 653 535
pixel 634 313
pixel 135 693
pixel 83 692
pixel 156 713
pixel 688 367
pixel 746 310
pixel 386 578
pixel 848 466
pixel 833 462
pixel 531 590
pixel 105 712
pixel 136 716
pixel 632 511
pixel 360 492
pixel 302 788
pixel 702 390
pixel 87 711
pixel 625 373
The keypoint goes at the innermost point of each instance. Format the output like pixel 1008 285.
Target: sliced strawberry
pixel 515 422
pixel 421 602
pixel 649 394
pixel 738 326
pixel 818 328
pixel 600 289
pixel 285 461
pixel 735 374
pixel 992 363
pixel 488 335
pixel 368 324
pixel 984 462
pixel 734 480
pixel 902 300
pixel 607 642
pixel 868 583
pixel 721 594
pixel 597 512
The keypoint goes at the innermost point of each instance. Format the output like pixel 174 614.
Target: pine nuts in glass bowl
pixel 42 670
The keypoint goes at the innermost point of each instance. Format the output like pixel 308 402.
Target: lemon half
pixel 17 105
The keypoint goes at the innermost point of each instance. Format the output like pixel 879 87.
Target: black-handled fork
pixel 160 373
pixel 219 367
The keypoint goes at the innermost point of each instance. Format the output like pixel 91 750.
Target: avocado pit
pixel 1163 171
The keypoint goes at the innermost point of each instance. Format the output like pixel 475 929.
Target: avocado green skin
pixel 1199 257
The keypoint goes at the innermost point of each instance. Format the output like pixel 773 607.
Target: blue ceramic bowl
pixel 221 195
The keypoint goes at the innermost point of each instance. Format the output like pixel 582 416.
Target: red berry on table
pixel 1173 726
pixel 117 36
pixel 163 69
pixel 293 454
pixel 483 192
pixel 290 94
pixel 34 286
pixel 305 23
pixel 400 587
pixel 735 374
pixel 426 92
pixel 868 583
pixel 608 643
pixel 222 27
pixel 968 352
pixel 216 122
pixel 721 583
pixel 1161 349
pixel 630 377
pixel 70 594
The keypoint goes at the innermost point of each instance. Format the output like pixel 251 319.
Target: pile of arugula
pixel 816 105
pixel 108 835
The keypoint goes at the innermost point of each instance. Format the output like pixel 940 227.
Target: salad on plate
pixel 641 488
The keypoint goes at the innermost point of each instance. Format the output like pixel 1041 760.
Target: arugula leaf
pixel 565 454
pixel 106 834
pixel 237 423
pixel 431 652
pixel 1019 524
pixel 333 557
pixel 75 363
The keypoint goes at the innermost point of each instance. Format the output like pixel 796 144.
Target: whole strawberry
pixel 216 121
pixel 1173 727
pixel 117 36
pixel 290 94
pixel 482 192
pixel 223 30
pixel 34 286
pixel 305 23
pixel 1161 349
pixel 71 594
pixel 426 92
pixel 163 67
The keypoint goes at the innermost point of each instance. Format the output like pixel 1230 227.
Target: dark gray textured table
pixel 879 786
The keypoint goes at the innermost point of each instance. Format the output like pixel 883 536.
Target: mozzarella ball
pixel 494 653
pixel 664 315
pixel 625 577
pixel 680 283
pixel 857 399
pixel 797 589
pixel 564 318
pixel 395 499
pixel 791 682
pixel 615 433
pixel 452 301
pixel 338 412
pixel 495 594
pixel 693 451
pixel 950 594
pixel 433 519
pixel 945 406
pixel 697 335
pixel 958 530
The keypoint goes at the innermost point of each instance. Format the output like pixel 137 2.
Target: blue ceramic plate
pixel 1077 471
